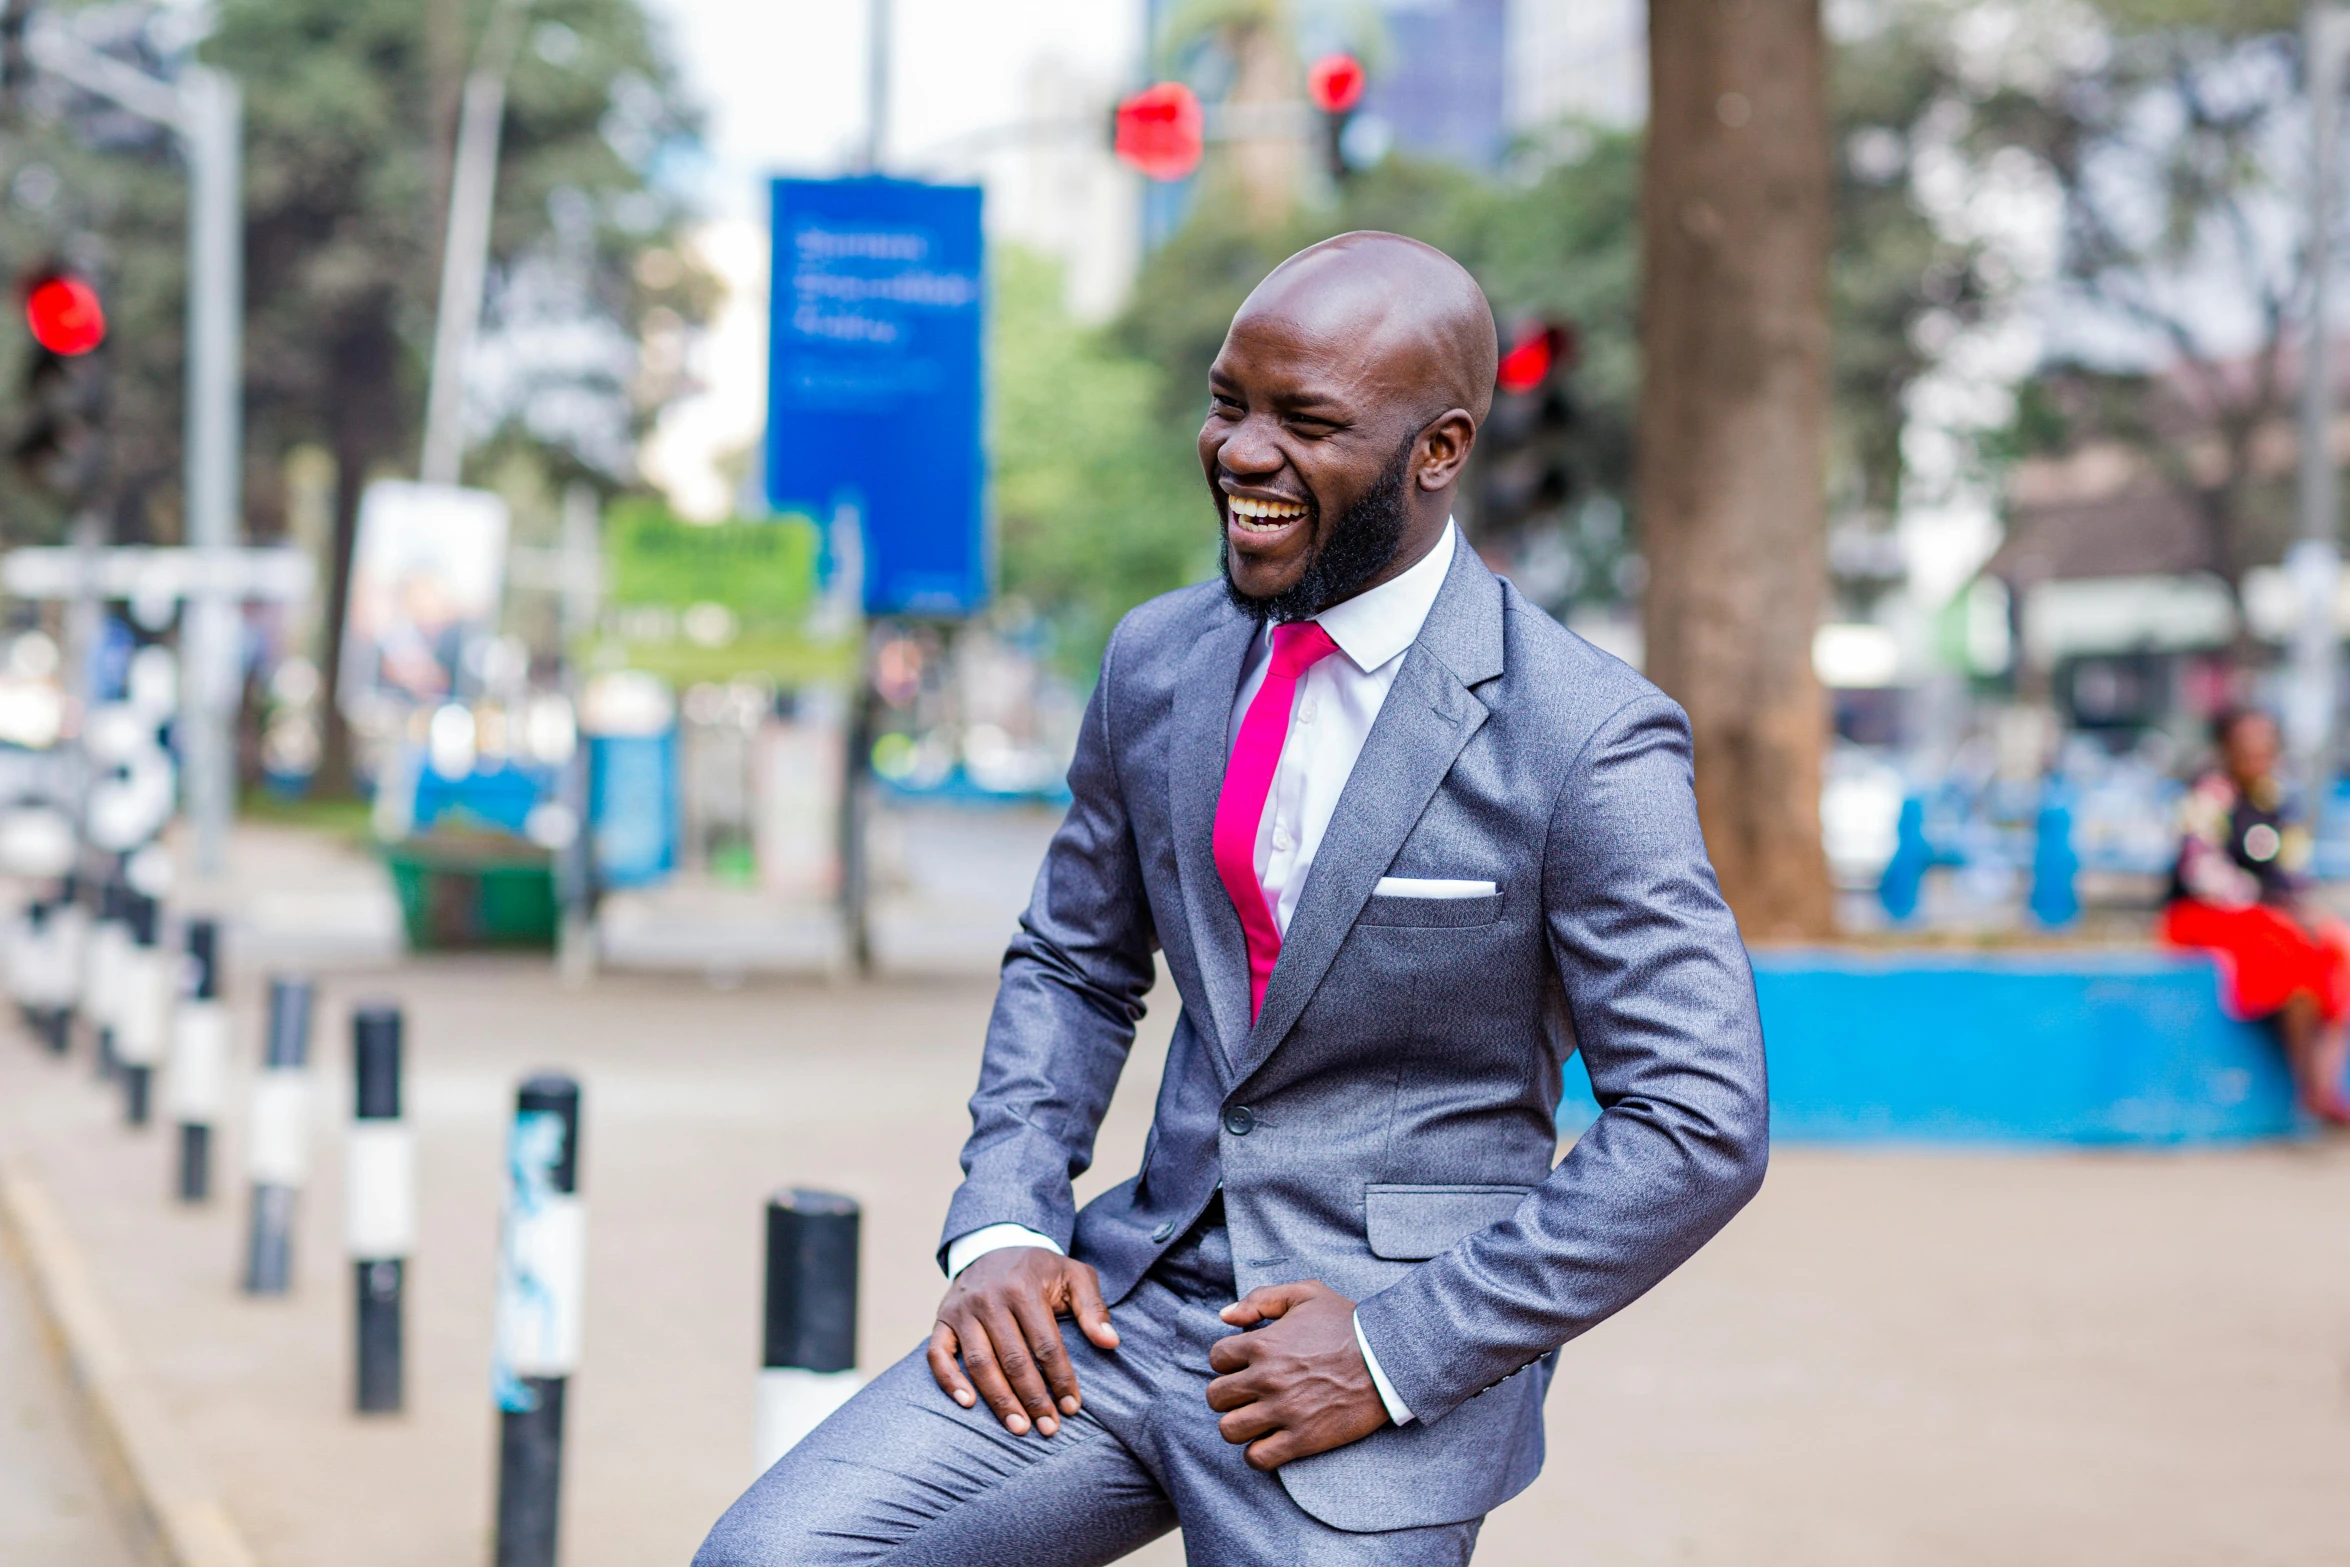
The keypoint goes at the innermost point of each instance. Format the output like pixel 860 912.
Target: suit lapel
pixel 1203 743
pixel 1429 715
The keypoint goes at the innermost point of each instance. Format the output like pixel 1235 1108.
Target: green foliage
pixel 2063 407
pixel 2177 155
pixel 1889 267
pixel 349 820
pixel 1099 502
pixel 350 110
pixel 350 127
pixel 2226 18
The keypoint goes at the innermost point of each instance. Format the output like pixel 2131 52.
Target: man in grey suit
pixel 1405 845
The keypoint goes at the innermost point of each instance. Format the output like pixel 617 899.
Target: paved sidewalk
pixel 1892 1358
pixel 55 1507
pixel 950 883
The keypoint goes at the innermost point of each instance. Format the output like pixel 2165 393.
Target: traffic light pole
pixel 879 36
pixel 206 109
pixel 213 126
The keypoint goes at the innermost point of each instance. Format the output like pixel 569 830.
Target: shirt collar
pixel 1376 625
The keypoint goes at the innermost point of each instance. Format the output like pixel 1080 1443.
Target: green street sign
pixel 764 572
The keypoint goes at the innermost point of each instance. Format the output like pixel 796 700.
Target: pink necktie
pixel 1248 779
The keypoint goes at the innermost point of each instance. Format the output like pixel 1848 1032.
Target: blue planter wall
pixel 2075 1048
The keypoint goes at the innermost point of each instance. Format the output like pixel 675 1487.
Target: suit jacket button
pixel 1239 1120
pixel 1163 1231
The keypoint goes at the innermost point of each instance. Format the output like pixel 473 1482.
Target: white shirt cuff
pixel 1397 1410
pixel 964 1250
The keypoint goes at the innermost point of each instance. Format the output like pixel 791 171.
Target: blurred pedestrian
pixel 1404 843
pixel 2240 891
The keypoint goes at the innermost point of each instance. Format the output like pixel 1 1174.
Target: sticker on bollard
pixel 541 1278
pixel 278 1158
pixel 808 1358
pixel 196 1079
pixel 380 1216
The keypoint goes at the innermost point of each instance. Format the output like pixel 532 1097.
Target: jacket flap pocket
pixel 1411 1223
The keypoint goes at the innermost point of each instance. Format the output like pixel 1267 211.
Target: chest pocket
pixel 1413 1223
pixel 1431 913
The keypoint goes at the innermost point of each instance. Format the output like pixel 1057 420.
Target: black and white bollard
pixel 69 946
pixel 110 941
pixel 197 1078
pixel 808 1362
pixel 380 1212
pixel 143 1011
pixel 278 1155
pixel 48 975
pixel 26 936
pixel 541 1276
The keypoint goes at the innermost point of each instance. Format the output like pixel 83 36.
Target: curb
pixel 168 1482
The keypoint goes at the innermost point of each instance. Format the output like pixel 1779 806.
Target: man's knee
pixel 727 1548
pixel 833 1500
pixel 776 1524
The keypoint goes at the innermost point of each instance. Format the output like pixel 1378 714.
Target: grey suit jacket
pixel 1386 1126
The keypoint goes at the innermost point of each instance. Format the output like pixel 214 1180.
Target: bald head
pixel 1341 408
pixel 1397 301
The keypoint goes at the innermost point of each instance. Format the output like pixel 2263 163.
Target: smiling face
pixel 1339 418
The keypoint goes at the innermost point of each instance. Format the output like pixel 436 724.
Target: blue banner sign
pixel 873 391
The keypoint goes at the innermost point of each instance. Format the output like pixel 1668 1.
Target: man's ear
pixel 1444 446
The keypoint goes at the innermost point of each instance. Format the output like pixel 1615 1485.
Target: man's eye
pixel 1219 402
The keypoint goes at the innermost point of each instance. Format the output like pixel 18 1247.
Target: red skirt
pixel 2265 956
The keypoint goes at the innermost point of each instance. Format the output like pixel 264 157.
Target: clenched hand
pixel 999 1316
pixel 1297 1385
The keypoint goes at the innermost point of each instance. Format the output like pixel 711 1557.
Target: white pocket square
pixel 1431 887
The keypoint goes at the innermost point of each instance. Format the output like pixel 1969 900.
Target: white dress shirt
pixel 1331 716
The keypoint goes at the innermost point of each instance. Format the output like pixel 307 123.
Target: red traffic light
pixel 1541 347
pixel 64 314
pixel 1161 131
pixel 1335 83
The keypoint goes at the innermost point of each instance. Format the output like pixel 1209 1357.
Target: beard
pixel 1359 548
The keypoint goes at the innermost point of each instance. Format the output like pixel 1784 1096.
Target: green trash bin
pixel 463 891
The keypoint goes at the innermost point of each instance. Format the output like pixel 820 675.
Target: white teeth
pixel 1264 516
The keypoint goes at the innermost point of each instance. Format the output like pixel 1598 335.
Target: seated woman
pixel 2239 893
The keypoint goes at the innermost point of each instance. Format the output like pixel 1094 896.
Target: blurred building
pixel 1442 86
pixel 2119 552
pixel 1458 79
pixel 1577 59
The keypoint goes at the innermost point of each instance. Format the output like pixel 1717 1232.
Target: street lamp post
pixel 465 252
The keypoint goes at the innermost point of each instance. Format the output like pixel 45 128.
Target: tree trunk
pixel 1735 228
pixel 363 429
pixel 338 775
pixel 1269 162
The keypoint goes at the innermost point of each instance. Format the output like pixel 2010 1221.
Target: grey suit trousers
pixel 903 1475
